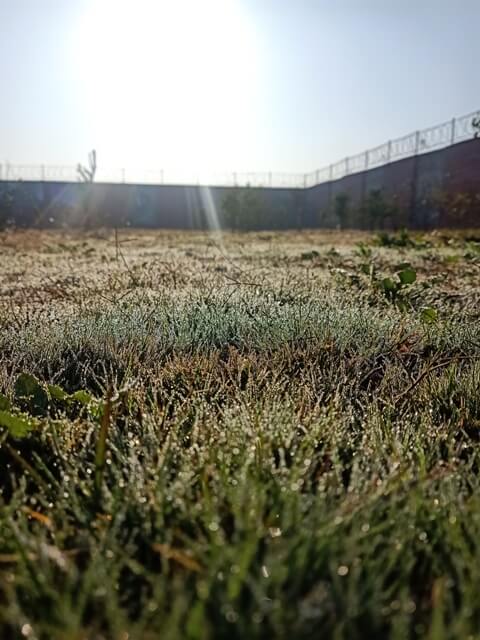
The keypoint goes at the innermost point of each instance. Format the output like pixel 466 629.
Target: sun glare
pixel 168 83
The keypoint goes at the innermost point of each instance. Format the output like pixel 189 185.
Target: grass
pixel 267 446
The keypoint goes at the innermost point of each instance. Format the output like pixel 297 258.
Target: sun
pixel 169 83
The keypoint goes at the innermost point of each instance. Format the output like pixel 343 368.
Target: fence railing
pixel 437 137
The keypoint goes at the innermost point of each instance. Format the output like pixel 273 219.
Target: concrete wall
pixel 411 187
pixel 165 206
pixel 423 189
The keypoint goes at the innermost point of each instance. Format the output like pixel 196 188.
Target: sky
pixel 229 85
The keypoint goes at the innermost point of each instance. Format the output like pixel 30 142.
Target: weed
pixel 402 240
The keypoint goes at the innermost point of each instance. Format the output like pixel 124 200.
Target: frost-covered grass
pixel 289 454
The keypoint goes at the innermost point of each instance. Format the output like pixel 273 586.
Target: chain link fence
pixel 418 142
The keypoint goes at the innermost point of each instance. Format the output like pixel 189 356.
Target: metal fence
pixel 438 137
pixel 418 142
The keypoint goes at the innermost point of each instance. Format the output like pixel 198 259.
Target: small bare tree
pixel 87 174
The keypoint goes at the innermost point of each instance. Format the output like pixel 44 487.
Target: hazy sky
pixel 283 85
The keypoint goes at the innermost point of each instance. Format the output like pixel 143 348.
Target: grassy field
pixel 248 436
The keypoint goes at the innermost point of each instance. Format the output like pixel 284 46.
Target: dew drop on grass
pixel 342 570
pixel 231 616
pixel 410 607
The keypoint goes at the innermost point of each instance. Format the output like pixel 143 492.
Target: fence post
pixel 389 151
pixel 42 173
pixel 452 139
pixel 417 141
pixel 1 171
pixel 346 166
pixel 330 172
pixel 366 160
